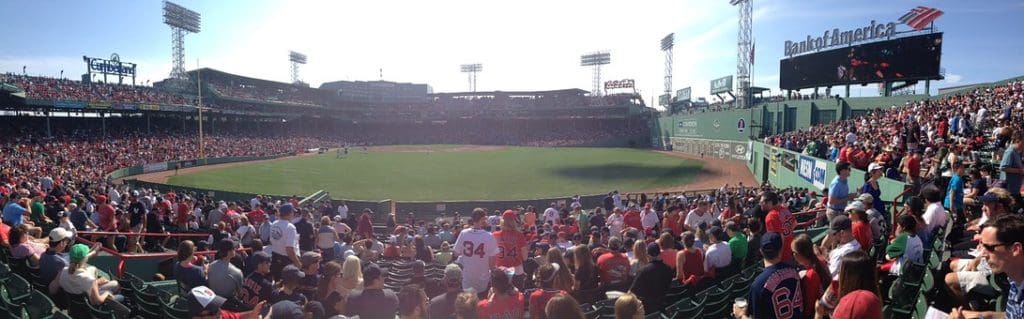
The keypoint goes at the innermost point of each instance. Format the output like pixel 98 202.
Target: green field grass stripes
pixel 506 174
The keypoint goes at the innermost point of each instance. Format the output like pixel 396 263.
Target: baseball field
pixel 452 172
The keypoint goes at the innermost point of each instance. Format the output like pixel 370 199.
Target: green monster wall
pixel 736 134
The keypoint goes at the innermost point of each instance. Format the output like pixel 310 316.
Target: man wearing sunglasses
pixel 972 271
pixel 1002 244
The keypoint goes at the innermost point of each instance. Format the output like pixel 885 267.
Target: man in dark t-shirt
pixel 597 219
pixel 652 280
pixel 443 306
pixel 775 293
pixel 373 302
pixel 307 235
pixel 256 286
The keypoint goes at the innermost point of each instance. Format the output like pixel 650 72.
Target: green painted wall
pixel 771 117
pixel 782 174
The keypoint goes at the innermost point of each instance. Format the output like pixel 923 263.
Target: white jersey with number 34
pixel 475 247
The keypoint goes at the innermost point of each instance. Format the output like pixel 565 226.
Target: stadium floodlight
pixel 296 58
pixel 744 50
pixel 471 70
pixel 666 45
pixel 181 21
pixel 596 60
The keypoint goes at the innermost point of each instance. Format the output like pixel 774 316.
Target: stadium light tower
pixel 471 70
pixel 744 50
pixel 666 45
pixel 596 60
pixel 296 58
pixel 181 21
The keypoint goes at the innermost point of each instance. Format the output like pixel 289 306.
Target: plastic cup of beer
pixel 740 302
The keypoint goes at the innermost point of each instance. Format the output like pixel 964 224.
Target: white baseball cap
pixel 58 234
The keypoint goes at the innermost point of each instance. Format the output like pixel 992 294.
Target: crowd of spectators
pixel 921 138
pixel 323 260
pixel 44 88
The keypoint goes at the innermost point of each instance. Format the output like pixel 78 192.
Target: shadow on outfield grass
pixel 617 171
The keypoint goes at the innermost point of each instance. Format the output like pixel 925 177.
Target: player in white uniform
pixel 477 250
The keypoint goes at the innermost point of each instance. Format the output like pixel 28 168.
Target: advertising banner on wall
pixel 125 106
pixel 683 94
pixel 820 168
pixel 154 167
pixel 805 168
pixel 813 171
pixel 734 150
pixel 100 105
pixel 721 85
pixel 68 104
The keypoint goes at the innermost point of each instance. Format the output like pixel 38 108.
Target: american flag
pixel 919 18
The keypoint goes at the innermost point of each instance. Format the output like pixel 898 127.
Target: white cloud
pixel 953 78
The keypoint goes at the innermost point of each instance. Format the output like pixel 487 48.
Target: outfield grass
pixel 506 174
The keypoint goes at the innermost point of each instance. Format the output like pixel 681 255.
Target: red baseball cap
pixel 509 215
pixel 859 304
pixel 102 199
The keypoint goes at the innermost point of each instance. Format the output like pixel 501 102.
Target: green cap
pixel 78 253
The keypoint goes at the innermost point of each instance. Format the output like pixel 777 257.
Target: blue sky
pixel 523 45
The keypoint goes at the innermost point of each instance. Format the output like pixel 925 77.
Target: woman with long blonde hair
pixel 628 306
pixel 351 275
pixel 639 259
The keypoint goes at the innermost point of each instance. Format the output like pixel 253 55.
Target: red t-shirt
pixel 862 233
pixel 501 308
pixel 164 207
pixel 693 267
pixel 107 220
pixel 539 299
pixel 811 287
pixel 780 220
pixel 5 232
pixel 914 165
pixel 510 246
pixel 257 216
pixel 672 222
pixel 632 219
pixel 669 257
pixel 183 213
pixel 224 314
pixel 613 268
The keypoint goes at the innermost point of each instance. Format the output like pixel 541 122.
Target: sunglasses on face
pixel 992 248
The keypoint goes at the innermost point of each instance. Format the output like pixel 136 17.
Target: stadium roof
pixel 528 93
pixel 208 72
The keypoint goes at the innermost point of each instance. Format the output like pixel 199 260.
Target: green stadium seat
pixel 77 304
pixel 173 306
pixel 5 272
pixel 38 306
pixel 60 315
pixel 146 303
pixel 109 309
pixel 17 289
pixel 718 303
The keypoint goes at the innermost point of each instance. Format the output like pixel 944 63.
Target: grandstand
pixel 864 207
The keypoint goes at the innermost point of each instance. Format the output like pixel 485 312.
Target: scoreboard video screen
pixel 903 59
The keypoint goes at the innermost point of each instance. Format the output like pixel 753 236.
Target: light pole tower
pixel 471 70
pixel 744 51
pixel 181 21
pixel 296 58
pixel 666 45
pixel 596 60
